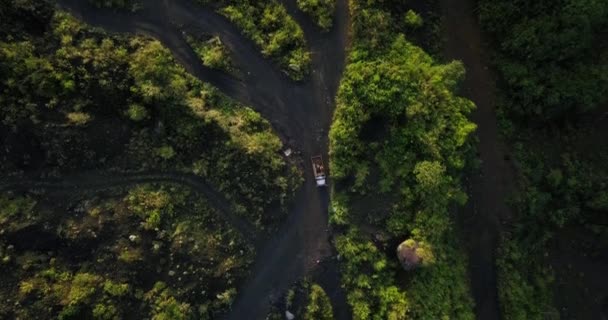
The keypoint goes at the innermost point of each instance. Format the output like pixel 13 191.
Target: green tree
pixel 319 306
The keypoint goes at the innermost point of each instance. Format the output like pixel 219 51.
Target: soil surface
pixel 300 113
pixel 490 188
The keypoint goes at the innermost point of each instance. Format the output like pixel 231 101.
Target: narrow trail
pixel 95 182
pixel 490 189
pixel 300 112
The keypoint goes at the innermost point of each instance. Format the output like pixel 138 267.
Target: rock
pixel 133 238
pixel 289 315
pixel 171 273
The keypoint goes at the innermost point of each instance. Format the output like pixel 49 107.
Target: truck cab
pixel 318 169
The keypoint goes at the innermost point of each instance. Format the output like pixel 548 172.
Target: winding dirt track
pixel 300 113
pixel 92 182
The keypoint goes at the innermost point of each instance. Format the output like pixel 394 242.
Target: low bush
pixel 321 11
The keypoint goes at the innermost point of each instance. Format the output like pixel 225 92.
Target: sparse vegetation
pixel 304 300
pixel 319 306
pixel 212 52
pixel 272 29
pixel 151 232
pixel 321 11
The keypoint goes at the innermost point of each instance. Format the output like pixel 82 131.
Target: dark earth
pixel 301 114
pixel 488 189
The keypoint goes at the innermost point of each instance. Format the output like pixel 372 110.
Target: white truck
pixel 318 170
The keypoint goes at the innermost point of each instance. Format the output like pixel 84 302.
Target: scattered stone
pixel 289 315
pixel 287 152
pixel 171 273
pixel 133 238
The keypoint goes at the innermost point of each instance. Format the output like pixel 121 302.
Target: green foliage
pixel 369 279
pixel 157 77
pixel 115 289
pixel 321 11
pixel 130 255
pixel 69 295
pixel 165 306
pixel 319 306
pixel 105 312
pixel 401 135
pixel 204 251
pixel 83 287
pixel 441 290
pixel 77 70
pixel 339 209
pixel 38 78
pixel 412 19
pixel 559 189
pixel 551 58
pixel 519 297
pixel 137 112
pixel 402 85
pixel 212 52
pixel 58 72
pixel 153 206
pixel 78 118
pixel 237 138
pixel 274 31
pixel 166 152
pixel 549 54
pixel 13 208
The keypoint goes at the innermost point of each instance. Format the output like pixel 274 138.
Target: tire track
pixel 300 112
pixel 89 182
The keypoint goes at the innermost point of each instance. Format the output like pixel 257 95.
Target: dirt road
pixel 300 113
pixel 492 186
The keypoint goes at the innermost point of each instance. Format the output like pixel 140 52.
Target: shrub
pixel 320 10
pixel 137 112
pixel 319 306
pixel 412 19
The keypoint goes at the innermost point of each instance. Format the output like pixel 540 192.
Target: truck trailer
pixel 318 169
